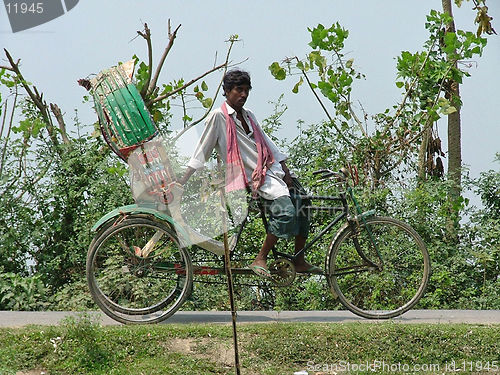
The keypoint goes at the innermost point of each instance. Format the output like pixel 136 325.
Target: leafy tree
pixel 453 49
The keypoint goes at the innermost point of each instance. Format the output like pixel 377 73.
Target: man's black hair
pixel 235 78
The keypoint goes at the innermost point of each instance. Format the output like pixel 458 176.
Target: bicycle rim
pixel 395 280
pixel 137 271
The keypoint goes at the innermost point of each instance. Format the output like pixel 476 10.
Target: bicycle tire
pixel 135 288
pixel 385 289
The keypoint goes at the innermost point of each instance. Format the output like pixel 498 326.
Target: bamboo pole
pixel 227 266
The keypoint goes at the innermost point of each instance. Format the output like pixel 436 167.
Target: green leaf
pixel 317 59
pixel 400 84
pixel 37 126
pixel 207 102
pixel 166 89
pixel 277 71
pixel 451 42
pixel 204 86
pixel 157 116
pixel 349 63
pixel 295 89
pixel 476 50
pixel 445 107
pixel 449 110
pixel 179 83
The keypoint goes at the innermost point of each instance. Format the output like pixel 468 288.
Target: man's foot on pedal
pixel 259 267
pixel 304 267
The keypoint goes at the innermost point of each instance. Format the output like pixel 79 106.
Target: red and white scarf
pixel 235 171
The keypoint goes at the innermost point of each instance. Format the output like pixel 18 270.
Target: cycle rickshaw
pixel 139 264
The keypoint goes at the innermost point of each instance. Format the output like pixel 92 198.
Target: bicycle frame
pixel 344 209
pixel 344 215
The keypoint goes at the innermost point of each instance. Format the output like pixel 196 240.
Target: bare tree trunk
pixel 454 139
pixel 455 145
pixel 454 124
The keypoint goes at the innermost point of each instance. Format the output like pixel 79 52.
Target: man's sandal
pixel 313 269
pixel 261 271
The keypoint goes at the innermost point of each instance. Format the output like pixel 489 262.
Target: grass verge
pixel 81 346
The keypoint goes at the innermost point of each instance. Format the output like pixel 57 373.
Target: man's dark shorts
pixel 288 216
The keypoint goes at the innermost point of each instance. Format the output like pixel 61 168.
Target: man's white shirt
pixel 214 136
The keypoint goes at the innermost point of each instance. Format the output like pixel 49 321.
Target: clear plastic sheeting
pixel 196 207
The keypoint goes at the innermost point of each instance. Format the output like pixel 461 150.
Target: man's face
pixel 238 96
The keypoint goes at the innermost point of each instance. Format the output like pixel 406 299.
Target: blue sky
pixel 97 34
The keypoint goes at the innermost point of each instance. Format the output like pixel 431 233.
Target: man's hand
pixel 187 174
pixel 288 177
pixel 176 190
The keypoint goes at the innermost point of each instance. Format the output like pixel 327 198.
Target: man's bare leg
pixel 261 258
pixel 300 263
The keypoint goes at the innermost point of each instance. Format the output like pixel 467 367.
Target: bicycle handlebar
pixel 342 174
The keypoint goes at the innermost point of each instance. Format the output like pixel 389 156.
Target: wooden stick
pixel 227 264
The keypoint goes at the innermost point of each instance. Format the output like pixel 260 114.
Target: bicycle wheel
pixel 137 271
pixel 378 284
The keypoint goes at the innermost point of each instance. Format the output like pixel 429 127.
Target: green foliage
pixel 22 293
pixel 464 274
pixel 83 190
pixel 277 71
pixel 335 79
pixel 433 69
pixel 73 296
pixel 54 204
pixel 489 190
pixel 424 77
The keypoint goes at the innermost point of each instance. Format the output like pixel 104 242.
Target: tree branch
pixel 173 92
pixel 147 35
pixel 35 96
pixel 60 120
pixel 6 68
pixel 8 130
pixel 226 65
pixel 332 121
pixel 154 80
